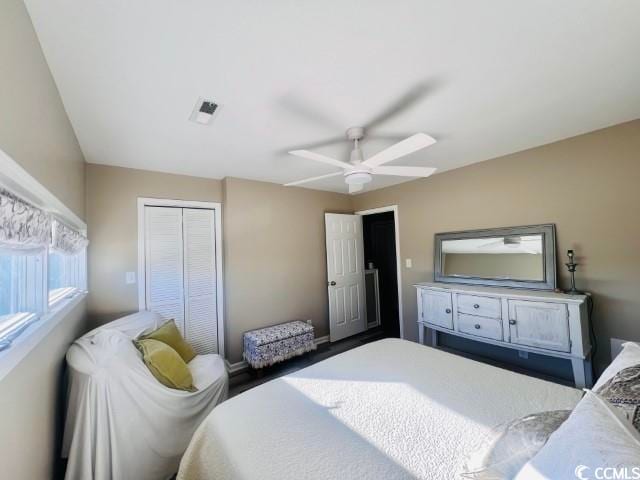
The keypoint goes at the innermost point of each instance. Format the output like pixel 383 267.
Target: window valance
pixel 22 226
pixel 66 240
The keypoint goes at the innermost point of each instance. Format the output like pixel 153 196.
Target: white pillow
pixel 594 436
pixel 628 357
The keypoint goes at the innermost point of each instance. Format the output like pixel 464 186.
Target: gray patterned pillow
pixel 505 450
pixel 623 391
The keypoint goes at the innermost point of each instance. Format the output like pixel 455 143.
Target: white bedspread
pixel 390 409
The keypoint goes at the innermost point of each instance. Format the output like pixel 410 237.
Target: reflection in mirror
pixel 509 257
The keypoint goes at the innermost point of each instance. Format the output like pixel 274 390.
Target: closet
pixel 180 271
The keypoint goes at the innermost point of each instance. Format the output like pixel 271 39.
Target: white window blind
pixel 66 274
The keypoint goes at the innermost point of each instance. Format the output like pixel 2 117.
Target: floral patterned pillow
pixel 623 391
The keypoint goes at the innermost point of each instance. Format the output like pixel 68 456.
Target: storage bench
pixel 270 345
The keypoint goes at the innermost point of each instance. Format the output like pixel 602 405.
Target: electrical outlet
pixel 309 322
pixel 522 354
pixel 130 278
pixel 408 262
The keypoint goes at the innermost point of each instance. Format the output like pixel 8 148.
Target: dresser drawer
pixel 480 326
pixel 481 306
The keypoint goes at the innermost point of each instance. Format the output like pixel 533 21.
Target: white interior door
pixel 345 275
pixel 201 321
pixel 163 263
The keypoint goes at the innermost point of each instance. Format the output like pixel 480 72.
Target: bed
pixel 389 409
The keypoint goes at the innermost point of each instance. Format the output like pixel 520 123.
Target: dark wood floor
pixel 248 379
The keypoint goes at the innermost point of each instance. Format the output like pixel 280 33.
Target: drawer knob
pixel 475 305
pixel 477 325
pixel 448 310
pixel 512 322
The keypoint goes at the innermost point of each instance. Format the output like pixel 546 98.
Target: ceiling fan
pixel 358 171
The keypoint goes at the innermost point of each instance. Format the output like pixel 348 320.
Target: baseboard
pixel 241 366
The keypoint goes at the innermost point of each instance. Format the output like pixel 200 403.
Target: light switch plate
pixel 130 278
pixel 408 263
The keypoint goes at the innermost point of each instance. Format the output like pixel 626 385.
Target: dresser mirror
pixel 517 257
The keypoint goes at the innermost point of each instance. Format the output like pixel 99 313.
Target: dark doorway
pixel 380 250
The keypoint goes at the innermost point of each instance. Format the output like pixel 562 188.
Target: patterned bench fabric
pixel 267 346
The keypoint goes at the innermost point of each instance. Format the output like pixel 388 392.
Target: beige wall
pixel 34 129
pixel 273 240
pixel 112 213
pixel 31 402
pixel 274 236
pixel 275 260
pixel 586 185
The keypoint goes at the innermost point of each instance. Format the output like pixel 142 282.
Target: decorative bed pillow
pixel 165 364
pixel 623 392
pixel 503 452
pixel 168 333
pixel 594 436
pixel 628 357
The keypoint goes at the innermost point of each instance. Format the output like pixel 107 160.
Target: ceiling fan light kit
pixel 359 171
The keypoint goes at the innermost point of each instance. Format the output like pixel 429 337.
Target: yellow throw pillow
pixel 165 364
pixel 168 333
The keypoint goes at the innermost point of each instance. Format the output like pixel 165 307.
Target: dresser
pixel 542 322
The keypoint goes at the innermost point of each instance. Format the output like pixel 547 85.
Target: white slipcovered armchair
pixel 121 422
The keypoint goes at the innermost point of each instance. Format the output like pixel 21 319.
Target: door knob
pixel 477 325
pixel 331 283
pixel 476 306
pixel 448 310
pixel 512 322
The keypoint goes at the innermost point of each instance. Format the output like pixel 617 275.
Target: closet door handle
pixel 448 310
pixel 331 283
pixel 477 325
pixel 512 322
pixel 476 306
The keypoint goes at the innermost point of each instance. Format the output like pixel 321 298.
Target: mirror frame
pixel 548 232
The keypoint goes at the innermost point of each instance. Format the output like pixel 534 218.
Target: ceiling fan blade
pixel 405 147
pixel 304 109
pixel 407 100
pixel 404 171
pixel 321 158
pixel 313 179
pixel 355 187
pixel 321 143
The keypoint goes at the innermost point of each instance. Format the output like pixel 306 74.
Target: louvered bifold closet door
pixel 201 323
pixel 163 263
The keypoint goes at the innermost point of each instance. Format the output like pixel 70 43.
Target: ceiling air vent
pixel 203 111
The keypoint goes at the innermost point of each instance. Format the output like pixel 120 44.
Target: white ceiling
pixel 501 76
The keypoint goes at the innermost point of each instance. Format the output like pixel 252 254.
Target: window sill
pixel 36 332
pixel 58 295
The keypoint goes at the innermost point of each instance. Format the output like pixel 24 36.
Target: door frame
pixel 394 209
pixel 165 202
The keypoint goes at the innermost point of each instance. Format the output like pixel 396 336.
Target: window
pixel 42 261
pixel 22 293
pixel 66 274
